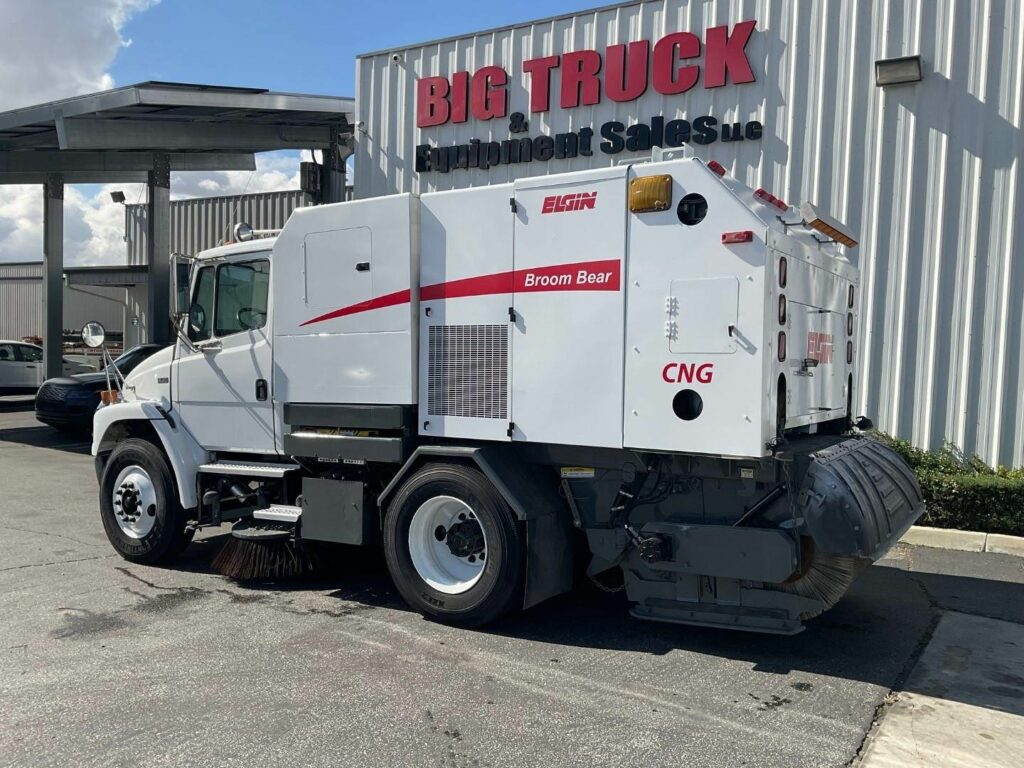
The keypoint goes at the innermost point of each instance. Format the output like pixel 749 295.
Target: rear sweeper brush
pixel 651 364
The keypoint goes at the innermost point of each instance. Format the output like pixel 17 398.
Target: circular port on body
pixel 687 404
pixel 692 209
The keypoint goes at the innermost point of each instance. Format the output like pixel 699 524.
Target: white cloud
pixel 274 171
pixel 59 48
pixel 81 41
pixel 54 49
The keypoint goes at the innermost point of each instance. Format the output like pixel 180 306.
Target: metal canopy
pixel 127 276
pixel 141 133
pixel 200 127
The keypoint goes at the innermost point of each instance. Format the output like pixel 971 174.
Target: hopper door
pixel 568 311
pixel 816 351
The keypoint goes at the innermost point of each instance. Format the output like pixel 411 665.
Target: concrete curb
pixel 965 541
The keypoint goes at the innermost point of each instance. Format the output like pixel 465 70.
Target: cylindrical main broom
pixel 824 578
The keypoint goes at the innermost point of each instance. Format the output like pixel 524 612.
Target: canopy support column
pixel 159 251
pixel 332 173
pixel 53 276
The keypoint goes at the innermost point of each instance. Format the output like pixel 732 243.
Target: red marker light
pixel 717 167
pixel 767 197
pixel 744 236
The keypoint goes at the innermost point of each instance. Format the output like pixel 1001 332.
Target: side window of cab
pixel 242 290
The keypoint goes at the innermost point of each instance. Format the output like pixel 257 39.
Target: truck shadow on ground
pixel 874 635
pixel 17 403
pixel 40 436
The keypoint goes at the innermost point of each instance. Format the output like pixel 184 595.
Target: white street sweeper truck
pixel 643 372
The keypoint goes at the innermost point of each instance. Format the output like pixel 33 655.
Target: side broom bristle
pixel 252 554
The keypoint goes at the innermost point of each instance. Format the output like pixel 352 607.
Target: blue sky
pixel 307 46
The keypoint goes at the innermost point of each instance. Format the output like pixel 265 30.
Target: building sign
pixel 673 65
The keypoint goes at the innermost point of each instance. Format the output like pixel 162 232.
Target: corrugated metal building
pixel 204 222
pixel 196 224
pixel 21 302
pixel 929 173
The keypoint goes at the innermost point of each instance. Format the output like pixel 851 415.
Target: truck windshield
pixel 200 313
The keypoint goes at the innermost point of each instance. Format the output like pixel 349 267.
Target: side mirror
pixel 248 318
pixel 181 271
pixel 196 317
pixel 93 334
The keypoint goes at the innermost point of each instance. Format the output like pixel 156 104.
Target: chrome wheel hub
pixel 134 500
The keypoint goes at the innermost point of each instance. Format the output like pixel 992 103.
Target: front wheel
pixel 139 504
pixel 453 547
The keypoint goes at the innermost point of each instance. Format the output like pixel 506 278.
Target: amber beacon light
pixel 650 193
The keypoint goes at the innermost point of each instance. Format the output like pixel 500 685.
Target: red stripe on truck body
pixel 603 275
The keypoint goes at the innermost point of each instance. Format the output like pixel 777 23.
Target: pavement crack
pixel 904 673
pixel 47 533
pixel 149 584
pixel 55 562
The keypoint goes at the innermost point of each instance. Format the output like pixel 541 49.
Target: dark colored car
pixel 69 403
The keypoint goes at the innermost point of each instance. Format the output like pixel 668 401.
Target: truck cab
pixel 221 374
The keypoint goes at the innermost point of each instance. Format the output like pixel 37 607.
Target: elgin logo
pixel 574 202
pixel 819 346
pixel 677 373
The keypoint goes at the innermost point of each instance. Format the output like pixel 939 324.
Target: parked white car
pixel 21 367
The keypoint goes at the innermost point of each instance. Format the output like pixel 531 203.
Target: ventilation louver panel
pixel 467 371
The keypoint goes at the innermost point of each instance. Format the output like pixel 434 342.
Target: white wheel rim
pixel 134 498
pixel 446 571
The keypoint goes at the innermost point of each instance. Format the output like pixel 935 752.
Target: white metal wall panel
pixel 929 174
pixel 205 222
pixel 88 302
pixel 21 302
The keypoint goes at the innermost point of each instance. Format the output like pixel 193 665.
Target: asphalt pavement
pixel 107 663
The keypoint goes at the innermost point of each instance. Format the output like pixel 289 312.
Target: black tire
pixel 168 536
pixel 499 589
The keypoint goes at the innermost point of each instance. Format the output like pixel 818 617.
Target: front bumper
pixel 68 417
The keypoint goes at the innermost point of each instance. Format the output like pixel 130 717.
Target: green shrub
pixel 963 491
pixel 981 502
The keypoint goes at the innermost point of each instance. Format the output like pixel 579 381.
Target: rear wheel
pixel 139 504
pixel 453 547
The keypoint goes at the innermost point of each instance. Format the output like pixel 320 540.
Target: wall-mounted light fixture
pixel 117 196
pixel 905 69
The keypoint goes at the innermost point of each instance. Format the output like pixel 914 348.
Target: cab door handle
pixel 362 266
pixel 261 389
